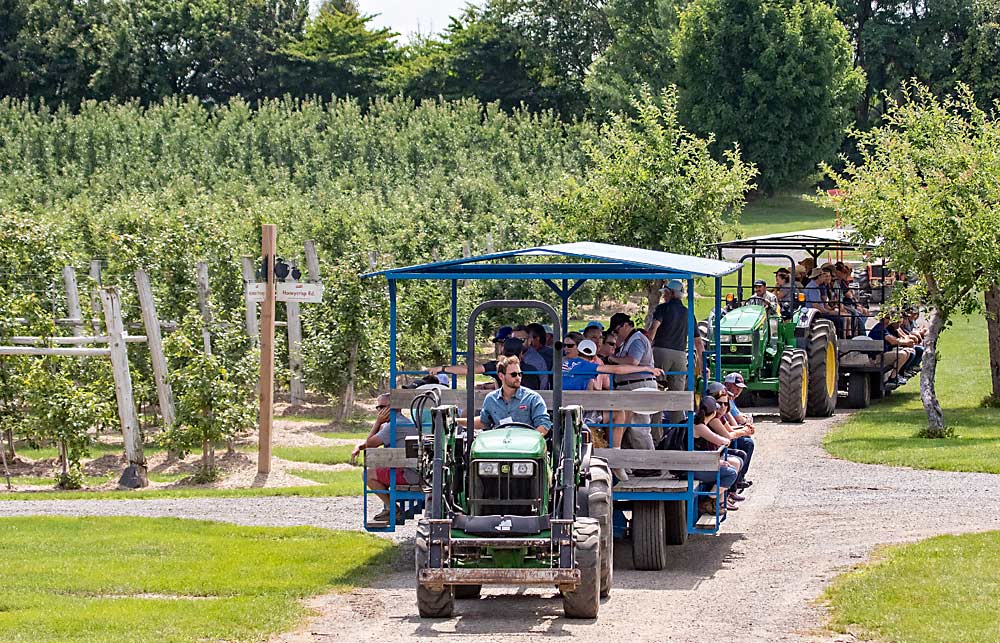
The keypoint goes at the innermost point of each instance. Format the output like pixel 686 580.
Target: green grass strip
pixel 942 590
pixel 318 455
pixel 886 432
pixel 111 580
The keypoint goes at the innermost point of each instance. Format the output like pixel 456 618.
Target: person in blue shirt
pixel 580 367
pixel 513 402
pixel 887 330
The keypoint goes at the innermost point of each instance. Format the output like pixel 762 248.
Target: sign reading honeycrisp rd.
pixel 292 291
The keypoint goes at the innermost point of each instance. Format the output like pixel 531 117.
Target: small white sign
pixel 304 293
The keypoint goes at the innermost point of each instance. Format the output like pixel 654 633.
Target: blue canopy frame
pixel 578 263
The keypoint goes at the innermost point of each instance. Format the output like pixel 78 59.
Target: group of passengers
pixel 828 288
pixel 903 335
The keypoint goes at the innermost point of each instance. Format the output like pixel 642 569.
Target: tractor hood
pixel 513 443
pixel 743 320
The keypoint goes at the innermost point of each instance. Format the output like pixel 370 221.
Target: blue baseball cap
pixel 593 323
pixel 503 333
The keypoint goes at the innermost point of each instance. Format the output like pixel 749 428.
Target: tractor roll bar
pixel 559 437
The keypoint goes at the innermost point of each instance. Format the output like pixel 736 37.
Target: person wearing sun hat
pixel 594 331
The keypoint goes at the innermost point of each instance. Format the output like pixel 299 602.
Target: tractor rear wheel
pixel 430 603
pixel 859 392
pixel 793 385
pixel 584 600
pixel 599 506
pixel 649 540
pixel 823 356
pixel 676 522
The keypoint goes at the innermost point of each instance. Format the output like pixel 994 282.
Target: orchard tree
pixel 655 185
pixel 926 194
pixel 776 77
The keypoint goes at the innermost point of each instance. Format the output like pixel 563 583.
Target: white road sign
pixel 304 293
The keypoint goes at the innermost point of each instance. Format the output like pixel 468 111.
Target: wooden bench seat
pixel 663 484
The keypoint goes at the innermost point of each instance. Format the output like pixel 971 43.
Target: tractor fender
pixel 802 328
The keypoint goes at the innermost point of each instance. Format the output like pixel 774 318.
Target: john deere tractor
pixel 789 351
pixel 508 508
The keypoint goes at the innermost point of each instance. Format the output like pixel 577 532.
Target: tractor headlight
pixel 489 468
pixel 743 339
pixel 523 469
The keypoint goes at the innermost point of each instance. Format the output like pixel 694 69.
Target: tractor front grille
pixel 505 494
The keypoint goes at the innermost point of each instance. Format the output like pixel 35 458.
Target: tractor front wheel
pixel 584 600
pixel 793 385
pixel 430 603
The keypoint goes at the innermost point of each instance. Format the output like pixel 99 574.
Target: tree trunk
pixel 64 458
pixel 935 416
pixel 11 454
pixel 652 299
pixel 347 399
pixel 993 333
pixel 207 459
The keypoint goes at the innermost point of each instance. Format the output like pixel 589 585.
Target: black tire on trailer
pixel 466 592
pixel 822 348
pixel 430 603
pixel 649 540
pixel 599 504
pixel 675 525
pixel 584 600
pixel 859 392
pixel 875 386
pixel 793 385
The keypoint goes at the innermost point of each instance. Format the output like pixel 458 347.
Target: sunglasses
pixel 515 374
pixel 381 407
pixel 569 345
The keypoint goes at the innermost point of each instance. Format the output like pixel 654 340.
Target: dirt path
pixel 809 517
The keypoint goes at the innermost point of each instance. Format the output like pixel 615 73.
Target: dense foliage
pixel 775 77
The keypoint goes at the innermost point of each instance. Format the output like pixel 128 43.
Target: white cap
pixel 587 347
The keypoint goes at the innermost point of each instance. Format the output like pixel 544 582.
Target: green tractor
pixel 790 351
pixel 506 508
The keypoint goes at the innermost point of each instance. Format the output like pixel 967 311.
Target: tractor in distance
pixel 787 350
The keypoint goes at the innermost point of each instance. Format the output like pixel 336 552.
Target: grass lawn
pixel 319 455
pixel 336 483
pixel 105 580
pixel 885 433
pixel 785 212
pixel 348 481
pixel 945 589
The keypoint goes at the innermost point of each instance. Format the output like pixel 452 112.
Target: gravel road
pixel 809 516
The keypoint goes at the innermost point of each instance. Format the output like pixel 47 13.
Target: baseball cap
pixel 548 328
pixel 759 282
pixel 735 378
pixel 710 404
pixel 674 285
pixel 513 346
pixel 618 319
pixel 713 388
pixel 587 347
pixel 503 333
pixel 593 323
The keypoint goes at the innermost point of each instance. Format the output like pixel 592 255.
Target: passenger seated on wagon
pixel 782 285
pixel 816 297
pixel 898 351
pixel 379 436
pixel 705 439
pixel 909 330
pixel 741 445
pixel 511 347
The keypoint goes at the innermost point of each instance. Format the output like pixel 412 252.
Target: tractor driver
pixel 513 402
pixel 761 292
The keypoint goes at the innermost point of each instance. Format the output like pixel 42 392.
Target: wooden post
pixel 298 390
pixel 206 310
pixel 72 298
pixel 95 299
pixel 269 242
pixel 135 474
pixel 312 260
pixel 253 332
pixel 154 340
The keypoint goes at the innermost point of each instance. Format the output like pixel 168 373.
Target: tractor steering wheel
pixel 759 301
pixel 514 425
